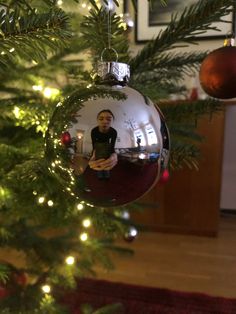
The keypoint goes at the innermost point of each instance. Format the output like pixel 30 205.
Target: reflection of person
pixel 103 138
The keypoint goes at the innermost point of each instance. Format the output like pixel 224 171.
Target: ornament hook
pixel 105 49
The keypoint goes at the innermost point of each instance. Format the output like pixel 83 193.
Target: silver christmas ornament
pixel 118 143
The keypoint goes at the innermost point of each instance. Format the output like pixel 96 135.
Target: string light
pixel 125 214
pixel 59 2
pixel 41 199
pixel 37 87
pixel 47 92
pixel 46 288
pixel 84 236
pixel 12 49
pixel 133 231
pixel 16 112
pixel 80 206
pixel 86 223
pixel 70 260
pixel 50 203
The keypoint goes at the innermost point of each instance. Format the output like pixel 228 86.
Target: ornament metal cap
pixel 116 70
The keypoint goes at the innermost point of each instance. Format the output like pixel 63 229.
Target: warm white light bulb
pixel 41 199
pixel 70 260
pixel 37 87
pixel 86 223
pixel 59 2
pixel 125 215
pixel 47 92
pixel 133 232
pixel 16 112
pixel 50 203
pixel 84 236
pixel 46 288
pixel 80 206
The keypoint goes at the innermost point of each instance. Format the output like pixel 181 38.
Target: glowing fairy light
pixel 80 206
pixel 47 92
pixel 12 49
pixel 84 236
pixel 50 203
pixel 37 87
pixel 16 112
pixel 125 214
pixel 133 232
pixel 70 260
pixel 83 5
pixel 46 288
pixel 86 223
pixel 59 2
pixel 41 199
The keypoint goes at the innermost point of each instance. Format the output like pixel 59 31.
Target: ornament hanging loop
pixel 107 49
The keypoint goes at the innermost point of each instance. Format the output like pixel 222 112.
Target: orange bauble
pixel 218 73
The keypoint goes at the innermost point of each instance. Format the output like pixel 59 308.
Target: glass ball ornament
pixel 218 72
pixel 119 141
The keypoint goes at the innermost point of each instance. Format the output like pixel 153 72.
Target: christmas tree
pixel 48 50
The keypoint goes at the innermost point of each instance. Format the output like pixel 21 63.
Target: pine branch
pixel 31 35
pixel 190 111
pixel 95 33
pixel 186 62
pixel 183 154
pixel 4 273
pixel 195 19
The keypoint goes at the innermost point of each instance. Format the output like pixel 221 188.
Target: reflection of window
pixel 80 140
pixel 139 138
pixel 151 134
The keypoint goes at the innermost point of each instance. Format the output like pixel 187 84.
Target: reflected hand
pixel 96 164
pixel 109 163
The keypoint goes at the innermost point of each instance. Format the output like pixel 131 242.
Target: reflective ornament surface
pixel 218 73
pixel 118 148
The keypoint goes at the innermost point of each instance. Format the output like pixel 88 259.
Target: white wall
pixel 228 187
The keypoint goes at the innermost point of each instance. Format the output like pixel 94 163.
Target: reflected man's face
pixel 104 121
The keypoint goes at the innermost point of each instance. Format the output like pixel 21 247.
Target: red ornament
pixel 20 278
pixel 4 292
pixel 218 73
pixel 165 176
pixel 66 138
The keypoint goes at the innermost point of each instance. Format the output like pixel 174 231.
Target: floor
pixel 181 262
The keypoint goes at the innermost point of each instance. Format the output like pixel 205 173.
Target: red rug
pixel 145 300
